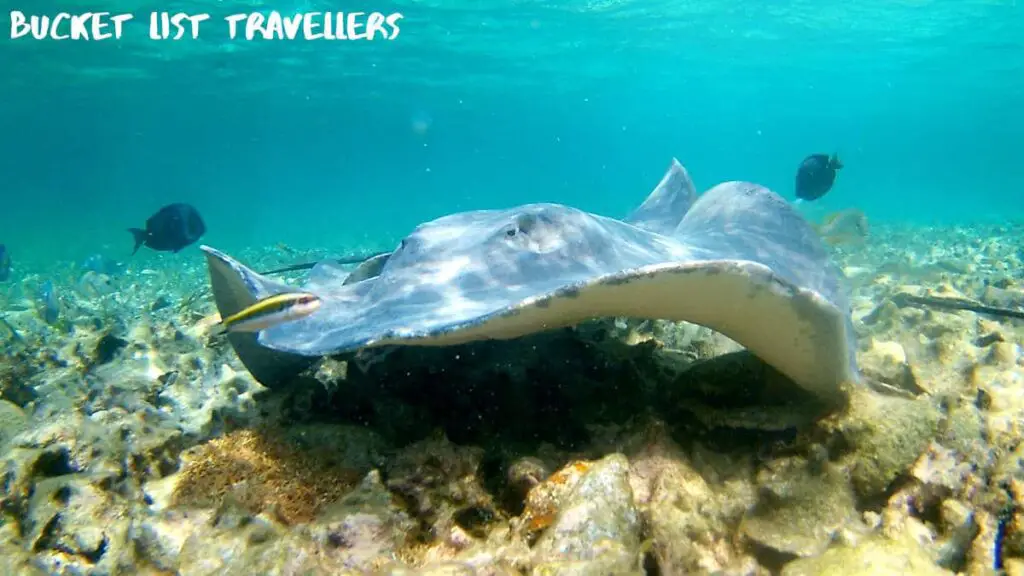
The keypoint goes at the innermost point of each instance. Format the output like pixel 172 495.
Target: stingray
pixel 738 259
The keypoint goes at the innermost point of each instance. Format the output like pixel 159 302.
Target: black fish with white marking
pixel 172 228
pixel 816 175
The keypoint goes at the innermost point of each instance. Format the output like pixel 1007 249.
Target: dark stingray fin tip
pixel 234 287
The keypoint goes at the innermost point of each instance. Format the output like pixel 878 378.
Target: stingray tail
pixel 236 287
pixel 140 238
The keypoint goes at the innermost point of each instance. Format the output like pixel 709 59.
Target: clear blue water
pixel 486 104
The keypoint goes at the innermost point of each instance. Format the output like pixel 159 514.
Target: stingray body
pixel 738 259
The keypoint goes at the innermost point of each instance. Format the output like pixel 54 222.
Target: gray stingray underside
pixel 738 259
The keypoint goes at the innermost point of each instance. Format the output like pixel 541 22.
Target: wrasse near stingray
pixel 270 311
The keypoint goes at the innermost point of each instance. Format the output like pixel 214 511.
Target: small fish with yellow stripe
pixel 269 312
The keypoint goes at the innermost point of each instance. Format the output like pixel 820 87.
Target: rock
pixel 886 362
pixel 445 569
pixel 884 316
pixel 544 500
pixel 72 523
pixel 689 519
pixel 1014 567
pixel 16 371
pixel 1002 354
pixel 222 395
pixel 160 537
pixel 964 432
pixel 359 534
pixel 1003 298
pixel 160 303
pixel 365 528
pixel 873 556
pixel 956 521
pixel 981 557
pixel 524 474
pixel 441 485
pixel 257 547
pixel 107 348
pixel 882 436
pixel 801 507
pixel 13 421
pixel 939 470
pixel 597 530
pixel 503 553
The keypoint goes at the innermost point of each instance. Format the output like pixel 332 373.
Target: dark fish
pixel 5 263
pixel 816 175
pixel 172 228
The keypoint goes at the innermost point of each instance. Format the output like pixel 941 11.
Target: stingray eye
pixel 512 231
pixel 402 244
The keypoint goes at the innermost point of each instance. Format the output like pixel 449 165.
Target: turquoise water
pixel 489 104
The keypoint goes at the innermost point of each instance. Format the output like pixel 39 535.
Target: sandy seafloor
pixel 133 442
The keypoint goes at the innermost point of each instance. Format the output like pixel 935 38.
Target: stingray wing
pixel 739 260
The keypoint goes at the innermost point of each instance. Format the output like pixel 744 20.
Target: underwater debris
pixel 952 303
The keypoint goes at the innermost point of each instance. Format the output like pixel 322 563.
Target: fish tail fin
pixel 834 162
pixel 140 238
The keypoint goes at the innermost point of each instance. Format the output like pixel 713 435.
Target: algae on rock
pixel 597 530
pixel 882 436
pixel 690 520
pixel 876 555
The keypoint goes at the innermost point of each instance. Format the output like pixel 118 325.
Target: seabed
pixel 134 442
